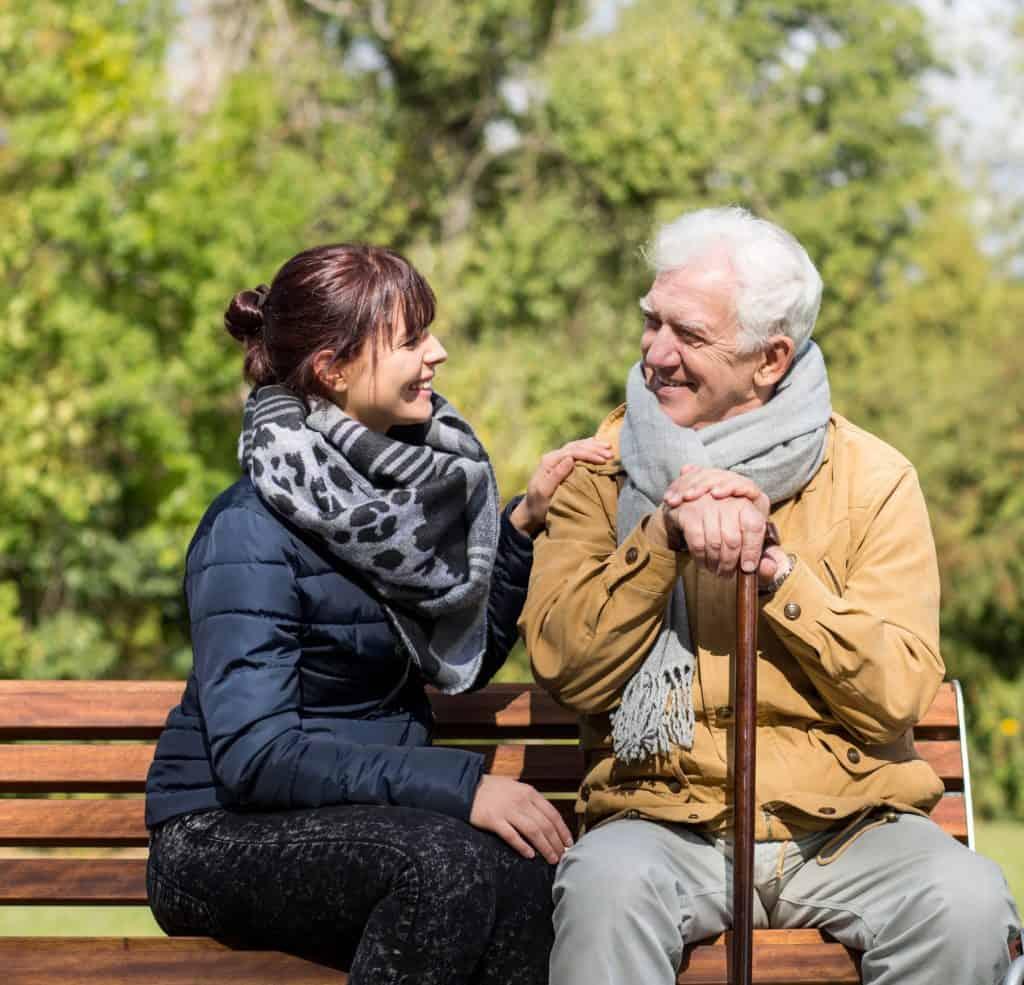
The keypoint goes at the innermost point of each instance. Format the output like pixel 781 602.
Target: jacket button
pixel 724 712
pixel 585 792
pixel 694 817
pixel 675 786
pixel 891 817
pixel 631 555
pixel 853 755
pixel 632 815
pixel 791 610
pixel 826 810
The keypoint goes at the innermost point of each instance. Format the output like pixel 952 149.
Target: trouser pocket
pixel 177 911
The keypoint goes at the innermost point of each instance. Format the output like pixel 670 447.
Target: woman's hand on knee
pixel 554 469
pixel 522 817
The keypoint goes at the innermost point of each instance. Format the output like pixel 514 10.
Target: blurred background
pixel 158 155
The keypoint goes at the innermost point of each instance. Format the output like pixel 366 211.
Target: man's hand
pixel 722 518
pixel 695 482
pixel 518 814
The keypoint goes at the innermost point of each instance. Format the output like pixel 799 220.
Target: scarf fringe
pixel 656 714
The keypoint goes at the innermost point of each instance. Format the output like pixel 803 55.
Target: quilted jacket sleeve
pixel 246 634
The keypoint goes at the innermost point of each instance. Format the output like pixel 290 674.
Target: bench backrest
pixel 74 756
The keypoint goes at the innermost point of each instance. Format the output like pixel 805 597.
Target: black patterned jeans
pixel 391 894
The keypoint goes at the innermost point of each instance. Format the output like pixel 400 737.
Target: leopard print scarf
pixel 414 512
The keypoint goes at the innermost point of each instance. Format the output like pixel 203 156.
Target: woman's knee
pixel 452 866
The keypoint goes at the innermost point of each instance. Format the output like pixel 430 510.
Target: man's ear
pixel 776 358
pixel 328 372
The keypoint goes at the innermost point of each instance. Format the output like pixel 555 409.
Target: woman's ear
pixel 328 372
pixel 776 358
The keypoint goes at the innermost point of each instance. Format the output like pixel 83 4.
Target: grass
pixel 1000 840
pixel 1004 842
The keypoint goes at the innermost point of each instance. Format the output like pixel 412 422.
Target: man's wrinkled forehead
pixel 709 283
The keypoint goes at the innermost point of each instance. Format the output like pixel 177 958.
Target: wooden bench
pixel 96 738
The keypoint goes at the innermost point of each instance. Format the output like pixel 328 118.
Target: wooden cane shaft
pixel 744 778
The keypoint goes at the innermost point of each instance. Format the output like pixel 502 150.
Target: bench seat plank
pixel 167 961
pixel 787 957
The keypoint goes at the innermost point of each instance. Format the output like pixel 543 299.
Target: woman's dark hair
pixel 337 297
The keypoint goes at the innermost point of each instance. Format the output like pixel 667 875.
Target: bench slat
pixel 119 823
pixel 65 823
pixel 167 960
pixel 950 814
pixel 72 881
pixel 73 768
pixel 104 823
pixel 122 768
pixel 138 709
pixel 86 709
pixel 781 957
pixel 76 767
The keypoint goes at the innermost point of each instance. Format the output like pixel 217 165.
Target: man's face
pixel 689 346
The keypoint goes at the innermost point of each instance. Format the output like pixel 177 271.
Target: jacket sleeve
pixel 509 583
pixel 246 621
pixel 872 651
pixel 594 609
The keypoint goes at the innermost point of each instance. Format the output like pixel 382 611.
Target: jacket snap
pixel 791 610
pixel 631 555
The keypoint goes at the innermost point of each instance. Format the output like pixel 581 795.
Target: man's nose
pixel 663 350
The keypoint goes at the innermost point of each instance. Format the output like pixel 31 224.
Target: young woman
pixel 294 800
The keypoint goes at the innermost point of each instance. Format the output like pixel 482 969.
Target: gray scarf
pixel 413 512
pixel 780 446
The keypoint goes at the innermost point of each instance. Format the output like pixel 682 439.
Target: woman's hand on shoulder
pixel 554 468
pixel 519 815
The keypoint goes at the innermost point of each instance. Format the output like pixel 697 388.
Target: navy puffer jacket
pixel 299 694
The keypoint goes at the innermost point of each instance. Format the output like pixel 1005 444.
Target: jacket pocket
pixel 831 569
pixel 860 760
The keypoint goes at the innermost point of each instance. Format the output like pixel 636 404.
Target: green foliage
pixel 521 162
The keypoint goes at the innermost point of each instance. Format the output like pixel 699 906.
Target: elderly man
pixel 727 426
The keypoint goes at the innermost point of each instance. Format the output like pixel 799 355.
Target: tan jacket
pixel 848 646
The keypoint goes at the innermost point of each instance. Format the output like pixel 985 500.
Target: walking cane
pixel 741 952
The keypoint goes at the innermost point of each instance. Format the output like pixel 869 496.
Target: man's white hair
pixel 778 289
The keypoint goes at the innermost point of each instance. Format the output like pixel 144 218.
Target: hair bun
pixel 244 317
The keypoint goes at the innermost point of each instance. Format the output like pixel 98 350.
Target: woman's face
pixel 392 386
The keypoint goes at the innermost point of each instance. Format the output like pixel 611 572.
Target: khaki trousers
pixel 920 906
